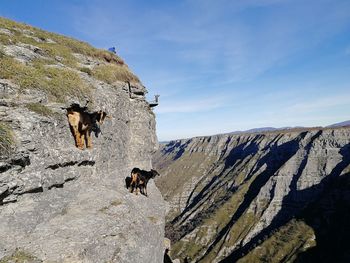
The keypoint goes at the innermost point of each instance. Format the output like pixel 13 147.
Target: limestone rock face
pixel 229 194
pixel 62 204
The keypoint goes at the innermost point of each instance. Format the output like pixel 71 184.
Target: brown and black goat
pixel 82 123
pixel 140 178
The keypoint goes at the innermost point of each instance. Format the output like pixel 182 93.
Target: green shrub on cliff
pixel 19 256
pixel 6 139
pixel 40 109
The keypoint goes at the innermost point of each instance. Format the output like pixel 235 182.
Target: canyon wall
pixel 274 196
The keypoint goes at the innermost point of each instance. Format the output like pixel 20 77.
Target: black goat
pixel 140 178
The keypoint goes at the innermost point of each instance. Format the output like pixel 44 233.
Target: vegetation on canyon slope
pixel 273 197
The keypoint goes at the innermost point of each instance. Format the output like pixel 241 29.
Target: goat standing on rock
pixel 140 178
pixel 82 123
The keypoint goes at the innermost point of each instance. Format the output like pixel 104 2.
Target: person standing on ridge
pixel 112 49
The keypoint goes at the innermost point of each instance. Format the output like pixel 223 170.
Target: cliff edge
pixel 59 203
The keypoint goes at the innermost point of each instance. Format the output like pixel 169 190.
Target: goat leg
pixel 88 139
pixel 78 139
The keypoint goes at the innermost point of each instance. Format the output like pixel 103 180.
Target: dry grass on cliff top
pixel 110 73
pixel 57 82
pixel 45 75
pixel 55 44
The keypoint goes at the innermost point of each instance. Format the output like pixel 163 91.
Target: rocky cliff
pixel 59 203
pixel 278 196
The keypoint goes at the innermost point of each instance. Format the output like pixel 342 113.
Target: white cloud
pixel 322 103
pixel 192 105
pixel 201 37
pixel 204 44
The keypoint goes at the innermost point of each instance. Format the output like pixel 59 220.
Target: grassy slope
pixel 55 49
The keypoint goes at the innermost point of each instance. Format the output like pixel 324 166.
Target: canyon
pixel 270 196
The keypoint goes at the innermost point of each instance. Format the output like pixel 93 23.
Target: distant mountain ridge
pixel 340 124
pixel 272 129
pixel 269 129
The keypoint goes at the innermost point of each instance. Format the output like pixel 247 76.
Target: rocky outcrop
pixel 62 204
pixel 248 196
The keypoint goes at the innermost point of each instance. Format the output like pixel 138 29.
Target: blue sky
pixel 219 65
